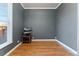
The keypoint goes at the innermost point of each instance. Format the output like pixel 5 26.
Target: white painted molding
pixel 42 7
pixel 32 40
pixel 22 5
pixel 12 49
pixel 78 27
pixel 9 27
pixel 58 5
pixel 65 46
pixel 68 48
pixel 43 39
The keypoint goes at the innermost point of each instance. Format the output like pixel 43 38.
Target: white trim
pixel 68 48
pixel 42 7
pixel 58 5
pixel 39 8
pixel 62 44
pixel 10 16
pixel 78 28
pixel 43 39
pixel 22 5
pixel 9 27
pixel 4 45
pixel 12 49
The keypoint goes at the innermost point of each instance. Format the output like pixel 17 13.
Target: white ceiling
pixel 40 5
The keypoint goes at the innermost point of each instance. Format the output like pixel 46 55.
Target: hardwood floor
pixel 40 48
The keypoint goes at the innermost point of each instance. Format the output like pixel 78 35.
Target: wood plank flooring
pixel 40 48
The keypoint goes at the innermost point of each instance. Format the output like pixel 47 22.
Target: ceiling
pixel 40 5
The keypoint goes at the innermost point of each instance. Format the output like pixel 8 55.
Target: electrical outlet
pixel 18 41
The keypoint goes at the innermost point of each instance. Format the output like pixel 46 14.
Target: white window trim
pixel 9 27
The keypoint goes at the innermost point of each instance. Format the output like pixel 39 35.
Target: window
pixel 5 24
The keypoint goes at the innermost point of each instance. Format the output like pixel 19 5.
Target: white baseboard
pixel 12 50
pixel 68 48
pixel 65 46
pixel 43 39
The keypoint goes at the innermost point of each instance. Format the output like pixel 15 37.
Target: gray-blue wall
pixel 18 21
pixel 66 24
pixel 17 27
pixel 42 22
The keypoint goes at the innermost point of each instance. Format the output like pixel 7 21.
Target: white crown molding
pixel 22 5
pixel 39 8
pixel 42 7
pixel 58 5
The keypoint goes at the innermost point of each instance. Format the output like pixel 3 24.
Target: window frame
pixel 9 27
